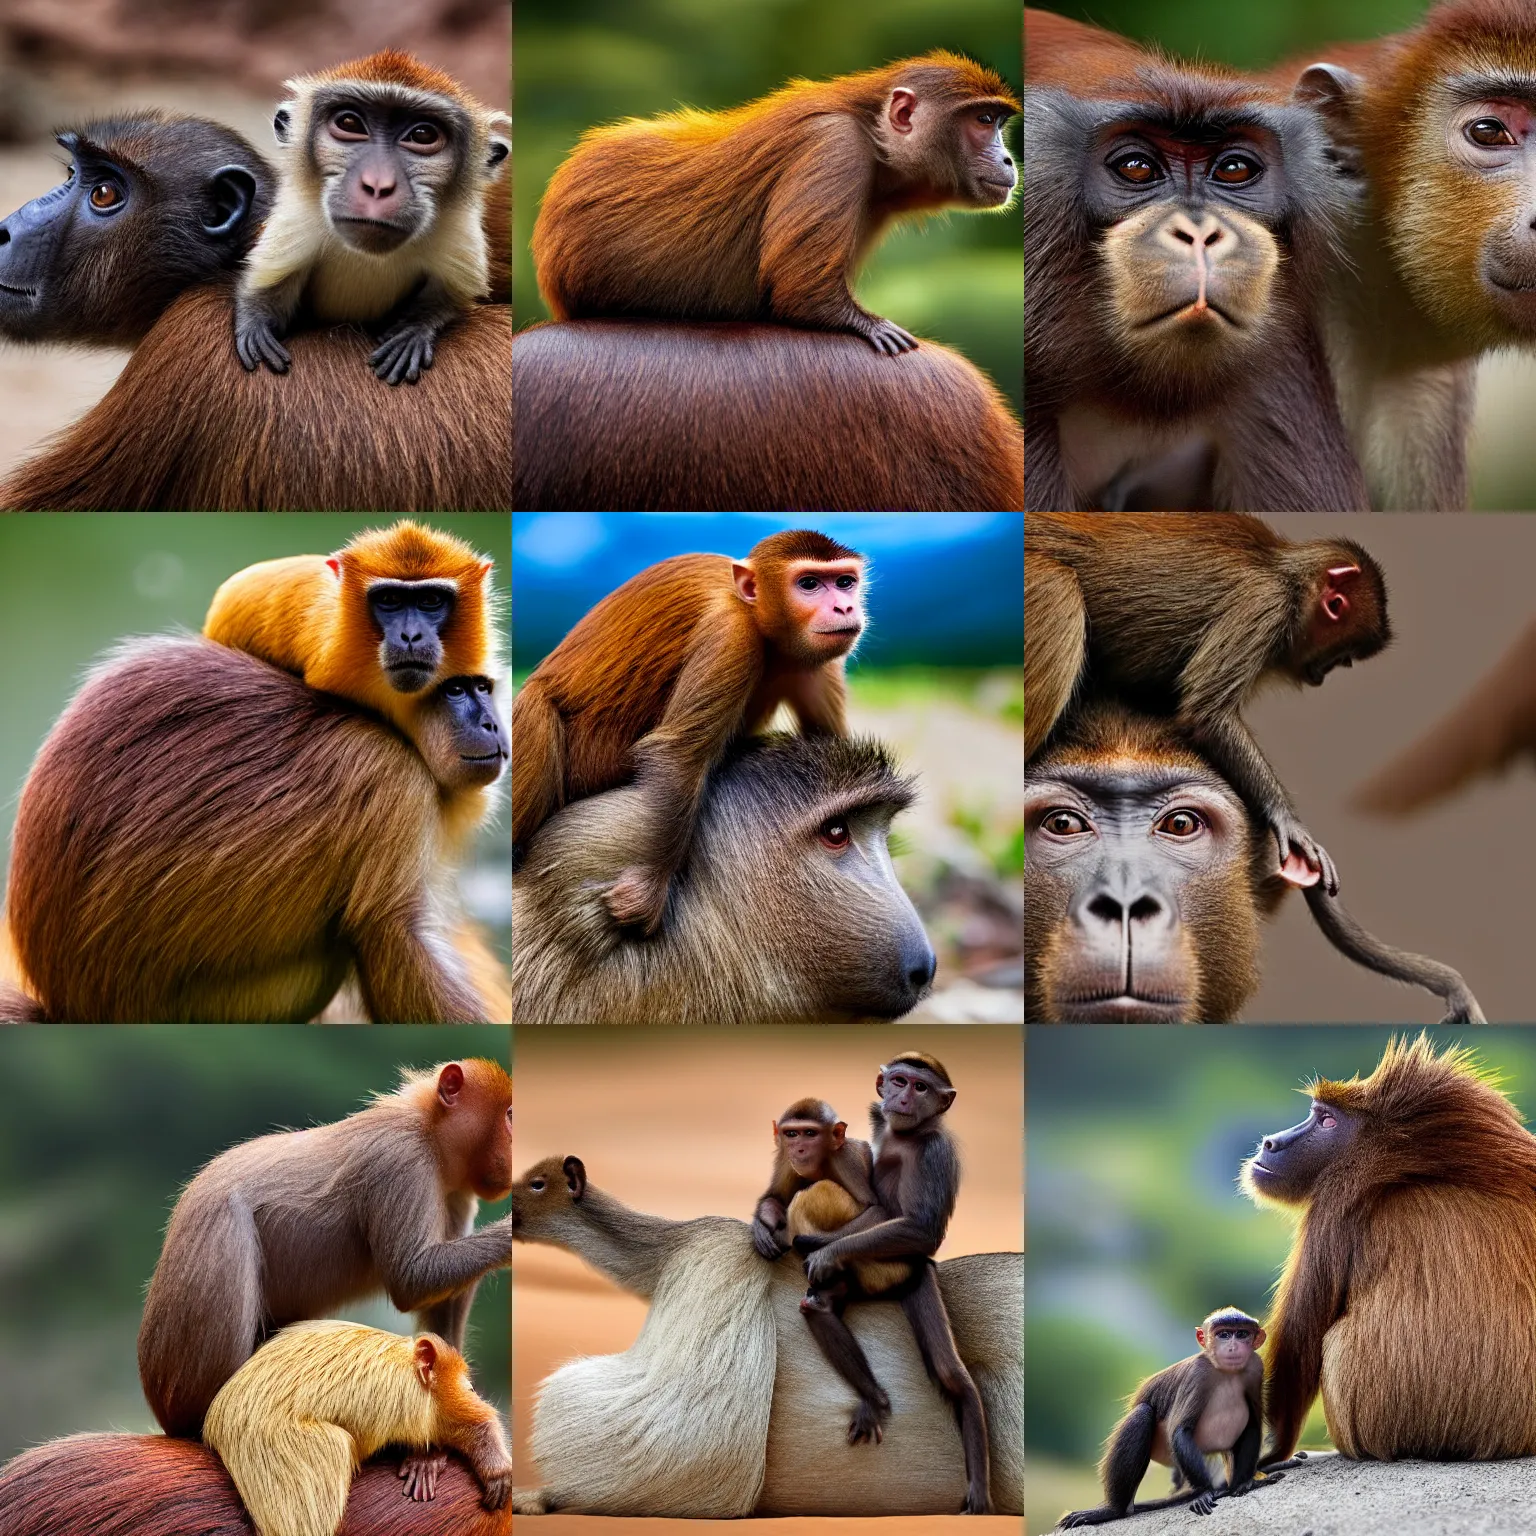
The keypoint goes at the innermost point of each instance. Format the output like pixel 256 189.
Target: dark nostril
pixel 1213 237
pixel 1269 1145
pixel 5 235
pixel 1105 908
pixel 921 974
pixel 1187 236
pixel 1145 908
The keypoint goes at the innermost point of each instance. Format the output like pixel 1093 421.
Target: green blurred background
pixel 577 63
pixel 102 1127
pixel 77 583
pixel 1137 1228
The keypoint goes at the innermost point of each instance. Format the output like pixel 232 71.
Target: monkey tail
pixel 1349 938
pixel 538 763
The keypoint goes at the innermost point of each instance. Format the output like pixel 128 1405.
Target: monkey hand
pixel 809 1242
pixel 1303 860
pixel 421 1470
pixel 256 343
pixel 406 352
pixel 639 895
pixel 868 1422
pixel 766 1239
pixel 496 1484
pixel 821 1267
pixel 1203 1503
pixel 887 337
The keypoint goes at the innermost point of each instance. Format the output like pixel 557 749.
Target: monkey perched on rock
pixel 1207 1405
pixel 295 1422
pixel 1188 615
pixel 666 672
pixel 379 208
pixel 764 212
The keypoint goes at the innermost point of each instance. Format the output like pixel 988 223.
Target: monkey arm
pixel 1245 1453
pixel 898 1237
pixel 768 1224
pixel 1310 1300
pixel 416 1269
pixel 819 700
pixel 407 973
pixel 448 1318
pixel 1188 1457
pixel 262 315
pixel 408 347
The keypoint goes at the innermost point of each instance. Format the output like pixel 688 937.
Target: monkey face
pixel 808 1145
pixel 984 171
pixel 910 1094
pixel 1229 1345
pixel 461 738
pixel 1287 1164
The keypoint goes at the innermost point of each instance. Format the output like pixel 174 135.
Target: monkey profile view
pixel 765 212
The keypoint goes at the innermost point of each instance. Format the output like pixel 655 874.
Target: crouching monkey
pixel 1211 1404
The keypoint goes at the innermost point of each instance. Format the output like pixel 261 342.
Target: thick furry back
pixel 678 1423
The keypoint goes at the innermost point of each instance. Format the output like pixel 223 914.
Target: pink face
pixel 1230 1345
pixel 827 600
pixel 808 1144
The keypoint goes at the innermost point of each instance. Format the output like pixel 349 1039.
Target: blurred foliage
pixel 1245 36
pixel 103 1126
pixel 579 63
pixel 1137 1227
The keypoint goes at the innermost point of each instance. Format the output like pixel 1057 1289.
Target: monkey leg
pixel 1125 1463
pixel 1058 637
pixel 538 763
pixel 846 1357
pixel 924 1306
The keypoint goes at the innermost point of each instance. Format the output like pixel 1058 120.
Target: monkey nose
pixel 1206 233
pixel 378 183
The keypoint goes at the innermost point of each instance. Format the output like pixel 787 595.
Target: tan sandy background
pixel 679 1123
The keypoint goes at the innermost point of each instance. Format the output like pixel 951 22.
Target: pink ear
pixel 450 1083
pixel 485 569
pixel 1341 580
pixel 335 566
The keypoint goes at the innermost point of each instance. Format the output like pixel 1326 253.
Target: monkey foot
pixel 1303 860
pixel 421 1470
pixel 405 354
pixel 887 337
pixel 868 1422
pixel 637 896
pixel 977 1502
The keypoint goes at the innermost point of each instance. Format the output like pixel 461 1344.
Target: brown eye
pixel 1490 133
pixel 348 125
pixel 835 833
pixel 1064 823
pixel 1180 824
pixel 1138 169
pixel 1235 170
pixel 105 196
pixel 424 136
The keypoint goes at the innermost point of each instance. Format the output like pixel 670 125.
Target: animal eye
pixel 1234 170
pixel 1490 133
pixel 430 602
pixel 349 125
pixel 834 833
pixel 105 196
pixel 1181 824
pixel 424 136
pixel 1064 823
pixel 1138 169
pixel 807 583
pixel 844 582
pixel 387 600
pixel 455 690
pixel 536 1185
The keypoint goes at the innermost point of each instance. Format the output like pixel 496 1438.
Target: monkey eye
pixel 807 583
pixel 106 196
pixel 1181 823
pixel 1236 170
pixel 834 832
pixel 1064 823
pixel 430 602
pixel 349 125
pixel 424 137
pixel 455 690
pixel 536 1185
pixel 1138 168
pixel 845 582
pixel 1490 133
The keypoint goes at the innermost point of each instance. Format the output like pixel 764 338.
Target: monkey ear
pixel 1200 1337
pixel 775 1130
pixel 232 189
pixel 899 109
pixel 450 1084
pixel 485 569
pixel 839 1133
pixel 1258 1338
pixel 1333 92
pixel 426 1361
pixel 282 122
pixel 575 1177
pixel 335 565
pixel 746 580
pixel 498 145
pixel 948 1096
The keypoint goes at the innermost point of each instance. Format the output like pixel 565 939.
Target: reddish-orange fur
pixel 1407 1296
pixel 186 427
pixel 152 1485
pixel 393 66
pixel 676 656
pixel 764 211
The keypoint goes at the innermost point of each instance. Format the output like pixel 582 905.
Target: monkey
pixel 732 1347
pixel 202 837
pixel 1431 126
pixel 766 211
pixel 153 1485
pixel 294 1423
pixel 916 1177
pixel 727 642
pixel 693 416
pixel 1210 1404
pixel 1147 879
pixel 289 1226
pixel 1195 611
pixel 392 613
pixel 791 912
pixel 820 1183
pixel 154 203
pixel 378 211
pixel 1180 223
pixel 1415 1189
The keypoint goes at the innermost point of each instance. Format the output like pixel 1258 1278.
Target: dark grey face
pixel 389 158
pixel 1286 1165
pixel 477 734
pixel 411 616
pixel 151 206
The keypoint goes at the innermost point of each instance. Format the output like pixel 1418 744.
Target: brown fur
pixel 762 212
pixel 762 930
pixel 185 427
pixel 715 666
pixel 296 840
pixel 645 414
pixel 293 1225
pixel 151 1485
pixel 1406 1298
